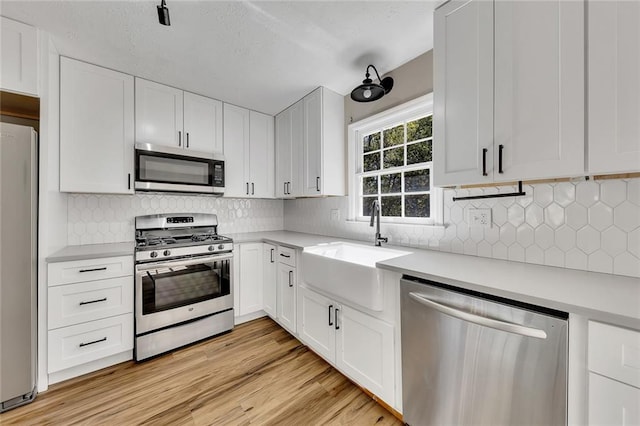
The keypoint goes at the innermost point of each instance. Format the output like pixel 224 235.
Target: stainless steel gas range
pixel 184 282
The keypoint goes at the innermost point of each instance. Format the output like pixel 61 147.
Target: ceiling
pixel 263 55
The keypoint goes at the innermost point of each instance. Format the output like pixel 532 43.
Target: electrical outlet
pixel 335 214
pixel 480 218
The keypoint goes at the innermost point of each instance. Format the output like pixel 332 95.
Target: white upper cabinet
pixel 463 92
pixel 18 57
pixel 171 117
pixel 520 67
pixel 289 136
pixel 202 123
pixel 249 153
pixel 311 133
pixel 614 86
pixel 96 129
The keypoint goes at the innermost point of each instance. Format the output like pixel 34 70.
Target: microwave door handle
pixel 509 327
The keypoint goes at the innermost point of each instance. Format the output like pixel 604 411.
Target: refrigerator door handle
pixel 480 320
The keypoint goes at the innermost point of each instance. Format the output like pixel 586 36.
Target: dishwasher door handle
pixel 480 320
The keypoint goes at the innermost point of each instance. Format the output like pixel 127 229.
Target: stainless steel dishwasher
pixel 474 359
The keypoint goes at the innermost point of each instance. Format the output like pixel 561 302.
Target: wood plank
pixel 257 374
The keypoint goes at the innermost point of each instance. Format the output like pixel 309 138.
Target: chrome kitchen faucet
pixel 375 216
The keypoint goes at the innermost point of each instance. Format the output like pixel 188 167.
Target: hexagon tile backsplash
pixel 588 225
pixel 96 219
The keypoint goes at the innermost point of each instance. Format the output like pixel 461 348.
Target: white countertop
pixel 605 297
pixel 92 251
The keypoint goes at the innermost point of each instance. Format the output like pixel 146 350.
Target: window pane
pixel 419 129
pixel 416 205
pixel 370 185
pixel 366 205
pixel 392 206
pixel 371 142
pixel 393 157
pixel 416 180
pixel 419 152
pixel 391 183
pixel 371 162
pixel 394 136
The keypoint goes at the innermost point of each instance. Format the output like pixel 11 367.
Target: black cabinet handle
pixel 285 255
pixel 318 183
pixel 128 180
pixel 272 260
pixel 484 161
pixel 104 268
pixel 284 189
pixel 82 345
pixel 330 309
pixel 247 188
pixel 288 188
pixel 187 139
pixel 500 148
pixel 337 327
pixel 252 188
pixel 179 138
pixel 290 278
pixel 104 299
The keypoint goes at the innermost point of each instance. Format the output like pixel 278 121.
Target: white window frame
pixel 408 111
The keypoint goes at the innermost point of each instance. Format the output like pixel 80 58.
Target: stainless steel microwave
pixel 165 169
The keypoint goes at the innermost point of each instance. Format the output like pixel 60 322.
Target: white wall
pixel 592 226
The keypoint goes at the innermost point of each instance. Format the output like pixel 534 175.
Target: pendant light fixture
pixel 369 91
pixel 163 14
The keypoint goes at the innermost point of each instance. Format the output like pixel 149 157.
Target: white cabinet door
pixel 287 297
pixel 159 114
pixel 261 165
pixel 202 123
pixel 18 57
pixel 612 402
pixel 365 351
pixel 312 149
pixel 236 150
pixel 317 327
pixel 251 278
pixel 283 153
pixel 269 289
pixel 294 188
pixel 614 86
pixel 96 129
pixel 463 92
pixel 539 89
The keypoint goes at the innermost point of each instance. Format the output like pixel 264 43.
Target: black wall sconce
pixel 369 91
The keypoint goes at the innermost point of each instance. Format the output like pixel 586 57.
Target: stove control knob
pixel 153 254
pixel 211 248
pixel 167 253
pixel 221 246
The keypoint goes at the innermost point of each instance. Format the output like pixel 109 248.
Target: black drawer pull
pixel 104 268
pixel 82 345
pixel 285 255
pixel 104 299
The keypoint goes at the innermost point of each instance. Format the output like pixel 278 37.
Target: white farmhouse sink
pixel 347 271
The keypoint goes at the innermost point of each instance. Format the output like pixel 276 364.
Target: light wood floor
pixel 257 374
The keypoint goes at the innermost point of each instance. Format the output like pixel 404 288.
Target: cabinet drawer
pixel 615 352
pixel 612 403
pixel 89 270
pixel 287 256
pixel 79 344
pixel 77 303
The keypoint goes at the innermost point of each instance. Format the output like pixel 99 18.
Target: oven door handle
pixel 184 262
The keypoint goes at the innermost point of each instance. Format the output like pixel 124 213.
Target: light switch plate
pixel 335 214
pixel 480 218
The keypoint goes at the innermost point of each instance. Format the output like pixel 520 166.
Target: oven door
pixel 161 168
pixel 169 293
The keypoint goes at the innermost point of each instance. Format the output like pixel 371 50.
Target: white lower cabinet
pixel 90 315
pixel 249 279
pixel 359 345
pixel 614 375
pixel 270 271
pixel 286 296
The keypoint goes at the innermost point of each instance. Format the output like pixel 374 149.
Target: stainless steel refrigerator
pixel 18 264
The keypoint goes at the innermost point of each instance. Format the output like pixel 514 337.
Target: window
pixel 391 158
